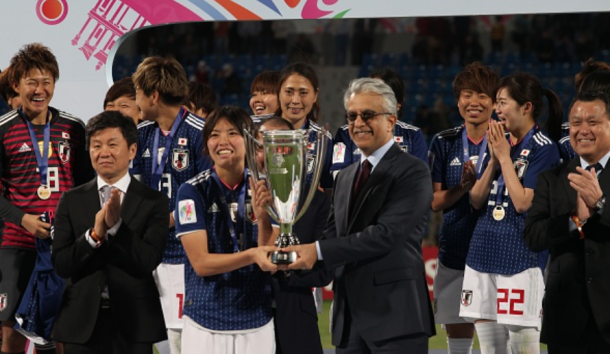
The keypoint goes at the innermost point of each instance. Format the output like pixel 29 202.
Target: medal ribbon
pixel 157 168
pixel 466 153
pixel 523 143
pixel 42 161
pixel 241 209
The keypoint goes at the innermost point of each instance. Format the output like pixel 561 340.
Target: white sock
pixel 174 337
pixel 493 338
pixel 524 340
pixel 459 345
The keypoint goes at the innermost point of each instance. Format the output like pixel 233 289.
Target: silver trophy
pixel 285 161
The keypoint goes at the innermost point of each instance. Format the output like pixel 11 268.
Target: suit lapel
pixel 571 193
pixel 379 171
pixel 346 190
pixel 91 194
pixel 604 179
pixel 132 199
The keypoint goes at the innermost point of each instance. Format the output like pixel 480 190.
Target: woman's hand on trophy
pixel 260 256
pixel 307 256
pixel 261 197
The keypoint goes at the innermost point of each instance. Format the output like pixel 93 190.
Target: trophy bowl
pixel 285 156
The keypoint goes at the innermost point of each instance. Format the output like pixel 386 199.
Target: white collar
pixel 121 184
pixel 603 161
pixel 376 156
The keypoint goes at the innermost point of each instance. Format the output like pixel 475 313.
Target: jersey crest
pixel 64 151
pixel 250 213
pixel 180 159
pixel 3 301
pixel 466 297
pixel 521 167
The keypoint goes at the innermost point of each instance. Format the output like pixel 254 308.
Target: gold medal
pixel 44 192
pixel 498 213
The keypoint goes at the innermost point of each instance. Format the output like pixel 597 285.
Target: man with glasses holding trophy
pixel 371 239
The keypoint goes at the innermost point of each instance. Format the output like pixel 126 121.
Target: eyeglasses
pixel 365 116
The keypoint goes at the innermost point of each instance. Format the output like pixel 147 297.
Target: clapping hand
pixel 113 208
pixel 469 176
pixel 499 147
pixel 587 187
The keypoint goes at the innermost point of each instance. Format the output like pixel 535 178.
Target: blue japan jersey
pixel 236 300
pixel 408 137
pixel 497 247
pixel 184 160
pixel 446 158
pixel 566 152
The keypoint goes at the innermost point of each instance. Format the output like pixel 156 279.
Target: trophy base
pixel 279 257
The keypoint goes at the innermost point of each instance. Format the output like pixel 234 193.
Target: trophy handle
pixel 251 143
pixel 321 143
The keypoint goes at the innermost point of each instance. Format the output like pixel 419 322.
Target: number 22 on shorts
pixel 512 297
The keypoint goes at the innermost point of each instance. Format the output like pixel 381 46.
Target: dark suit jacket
pixel 125 263
pixel 296 319
pixel 376 249
pixel 579 270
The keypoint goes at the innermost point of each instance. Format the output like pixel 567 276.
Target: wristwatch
pixel 600 203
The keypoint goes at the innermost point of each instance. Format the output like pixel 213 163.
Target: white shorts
pixel 507 299
pixel 447 289
pixel 196 339
pixel 170 283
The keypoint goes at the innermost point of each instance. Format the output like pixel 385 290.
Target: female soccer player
pixel 226 236
pixel 263 93
pixel 503 281
pixel 298 97
pixel 454 155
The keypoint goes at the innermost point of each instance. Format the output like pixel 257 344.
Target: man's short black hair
pixel 590 96
pixel 112 119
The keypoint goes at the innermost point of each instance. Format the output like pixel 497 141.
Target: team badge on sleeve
pixel 64 151
pixel 339 153
pixel 466 297
pixel 186 212
pixel 180 159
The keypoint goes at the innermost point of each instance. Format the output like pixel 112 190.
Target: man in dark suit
pixel 569 216
pixel 296 318
pixel 109 236
pixel 372 239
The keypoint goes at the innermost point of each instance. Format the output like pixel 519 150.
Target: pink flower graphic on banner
pixel 52 12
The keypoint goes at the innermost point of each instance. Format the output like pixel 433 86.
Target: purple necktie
pixel 365 172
